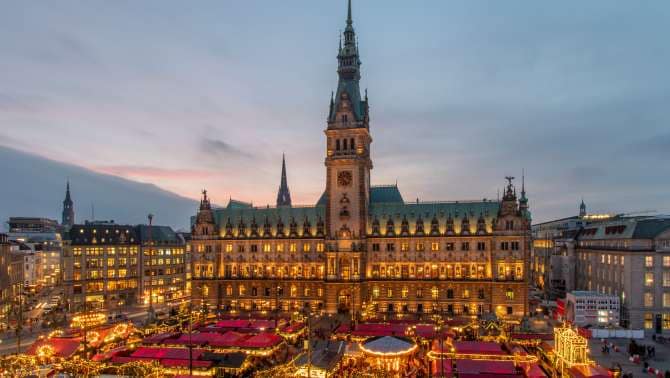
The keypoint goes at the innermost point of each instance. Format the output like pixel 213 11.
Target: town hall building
pixel 362 247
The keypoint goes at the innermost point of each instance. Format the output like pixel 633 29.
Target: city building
pixel 552 257
pixel 591 308
pixel 32 224
pixel 362 246
pixel 43 237
pixel 11 277
pixel 628 257
pixel 107 265
pixel 164 274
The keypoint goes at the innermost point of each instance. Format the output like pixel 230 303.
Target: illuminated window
pixel 648 320
pixel 648 299
pixel 293 247
pixel 404 247
pixel 280 247
pixel 242 290
pixel 307 291
pixel 389 292
pixel 419 247
pixel 319 292
pixel 419 293
pixel 666 261
pixel 267 247
pixel 306 247
pixel 509 293
pixel 320 247
pixel 434 246
pixel 649 261
pixel 666 299
pixel 649 279
pixel 375 292
pixel 466 293
pixel 294 290
pixel 404 292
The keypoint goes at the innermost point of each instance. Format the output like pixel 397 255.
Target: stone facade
pixel 362 247
pixel 106 265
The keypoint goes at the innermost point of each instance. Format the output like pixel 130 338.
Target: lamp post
pixel 277 288
pixel 150 315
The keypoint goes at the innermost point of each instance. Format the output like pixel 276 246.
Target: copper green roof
pixel 378 194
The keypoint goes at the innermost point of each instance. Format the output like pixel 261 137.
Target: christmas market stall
pixel 487 369
pixel 390 353
pixel 323 360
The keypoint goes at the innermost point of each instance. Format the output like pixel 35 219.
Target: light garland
pixel 84 321
pixel 45 351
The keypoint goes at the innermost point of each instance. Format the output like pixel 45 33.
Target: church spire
pixel 348 95
pixel 283 195
pixel 67 218
pixel 582 208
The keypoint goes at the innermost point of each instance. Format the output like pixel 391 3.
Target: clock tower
pixel 348 168
pixel 348 141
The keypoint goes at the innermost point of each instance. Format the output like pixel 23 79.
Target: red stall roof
pixel 185 363
pixel 170 353
pixel 63 347
pixel 160 338
pixel 229 339
pixel 479 368
pixel 262 340
pixel 535 371
pixel 480 347
pixel 589 371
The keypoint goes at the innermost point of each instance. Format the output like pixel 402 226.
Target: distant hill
pixel 35 186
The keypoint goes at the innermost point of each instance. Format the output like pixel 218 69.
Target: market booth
pixel 486 369
pixel 388 352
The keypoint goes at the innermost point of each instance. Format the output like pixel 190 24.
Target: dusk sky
pixel 209 94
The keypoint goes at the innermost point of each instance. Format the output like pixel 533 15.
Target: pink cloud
pixel 136 171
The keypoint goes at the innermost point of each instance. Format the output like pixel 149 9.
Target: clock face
pixel 344 178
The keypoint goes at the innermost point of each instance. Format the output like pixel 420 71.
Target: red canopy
pixel 589 371
pixel 376 329
pixel 229 339
pixel 477 347
pixel 262 340
pixel 185 363
pixel 535 371
pixel 170 353
pixel 202 338
pixel 160 338
pixel 481 368
pixel 63 347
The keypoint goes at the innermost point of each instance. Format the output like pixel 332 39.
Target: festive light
pixel 88 320
pixel 45 351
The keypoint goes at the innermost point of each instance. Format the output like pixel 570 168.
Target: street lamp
pixel 150 315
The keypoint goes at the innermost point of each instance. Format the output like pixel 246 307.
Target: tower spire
pixel 349 73
pixel 67 218
pixel 283 195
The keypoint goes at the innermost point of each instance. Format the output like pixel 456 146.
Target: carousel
pixel 388 353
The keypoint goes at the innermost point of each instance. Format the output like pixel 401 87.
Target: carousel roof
pixel 388 345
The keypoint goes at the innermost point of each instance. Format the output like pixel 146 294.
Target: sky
pixel 209 94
